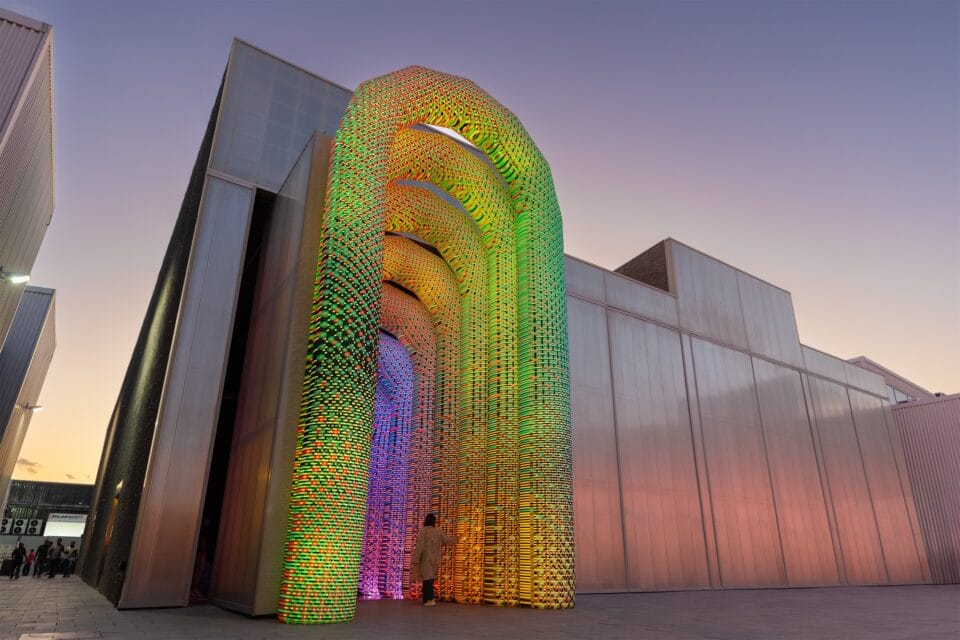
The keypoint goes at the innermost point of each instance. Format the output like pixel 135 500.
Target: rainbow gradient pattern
pixel 437 368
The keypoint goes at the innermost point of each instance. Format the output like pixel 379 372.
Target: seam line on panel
pixel 866 479
pixel 726 345
pixel 616 443
pixel 766 457
pixel 706 470
pixel 746 333
pixel 891 434
pixel 825 491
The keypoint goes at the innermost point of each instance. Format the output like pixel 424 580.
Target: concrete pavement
pixel 67 609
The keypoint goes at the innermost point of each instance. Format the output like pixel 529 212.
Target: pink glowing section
pixel 381 565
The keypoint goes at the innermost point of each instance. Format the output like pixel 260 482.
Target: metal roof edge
pixel 23 21
pixel 291 64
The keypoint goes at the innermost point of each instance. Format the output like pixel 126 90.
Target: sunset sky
pixel 815 145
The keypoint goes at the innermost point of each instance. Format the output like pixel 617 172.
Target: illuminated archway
pixel 526 528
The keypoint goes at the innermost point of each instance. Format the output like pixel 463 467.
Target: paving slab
pixel 68 609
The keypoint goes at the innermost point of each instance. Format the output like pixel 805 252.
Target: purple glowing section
pixel 381 565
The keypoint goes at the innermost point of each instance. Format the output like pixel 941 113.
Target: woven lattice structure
pixel 381 569
pixel 491 452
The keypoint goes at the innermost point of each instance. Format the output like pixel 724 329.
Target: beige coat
pixel 426 553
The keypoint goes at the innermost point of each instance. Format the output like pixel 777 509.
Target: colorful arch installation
pixel 479 256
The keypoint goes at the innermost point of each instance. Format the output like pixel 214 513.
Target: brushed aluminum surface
pixel 24 361
pixel 26 161
pixel 708 296
pixel 598 531
pixel 162 554
pixel 801 506
pixel 886 493
pixel 769 320
pixel 853 509
pixel 748 542
pixel 253 521
pixel 663 530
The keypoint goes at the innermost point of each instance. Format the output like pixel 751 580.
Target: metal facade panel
pixel 770 323
pixel 930 432
pixel 18 48
pixel 663 526
pixel 708 297
pixel 863 379
pixel 269 111
pixel 640 299
pixel 823 364
pixel 128 441
pixel 852 507
pixel 26 181
pixel 703 482
pixel 907 488
pixel 889 504
pixel 598 524
pixel 253 521
pixel 801 508
pixel 162 554
pixel 584 280
pixel 24 361
pixel 748 541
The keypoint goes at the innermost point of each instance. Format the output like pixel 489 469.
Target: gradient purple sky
pixel 814 145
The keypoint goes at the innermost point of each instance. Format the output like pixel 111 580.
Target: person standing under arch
pixel 425 559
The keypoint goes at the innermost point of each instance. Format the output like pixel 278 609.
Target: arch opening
pixel 381 568
pixel 515 519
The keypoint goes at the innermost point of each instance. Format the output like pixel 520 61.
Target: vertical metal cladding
pixel 524 440
pixel 26 151
pixel 930 432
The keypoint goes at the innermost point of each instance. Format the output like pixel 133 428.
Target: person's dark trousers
pixel 26 570
pixel 15 571
pixel 53 565
pixel 427 590
pixel 39 568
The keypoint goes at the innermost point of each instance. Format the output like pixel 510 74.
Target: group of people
pixel 50 558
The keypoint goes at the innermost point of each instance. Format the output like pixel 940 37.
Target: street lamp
pixel 14 278
pixel 32 407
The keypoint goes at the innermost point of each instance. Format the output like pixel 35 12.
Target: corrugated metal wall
pixel 26 152
pixel 19 41
pixel 706 455
pixel 930 432
pixel 24 361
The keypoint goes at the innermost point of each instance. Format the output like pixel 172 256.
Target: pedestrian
pixel 425 559
pixel 69 560
pixel 40 562
pixel 53 557
pixel 26 565
pixel 17 557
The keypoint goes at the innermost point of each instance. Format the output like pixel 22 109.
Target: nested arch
pixel 381 569
pixel 333 440
pixel 418 211
pixel 437 159
pixel 406 318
